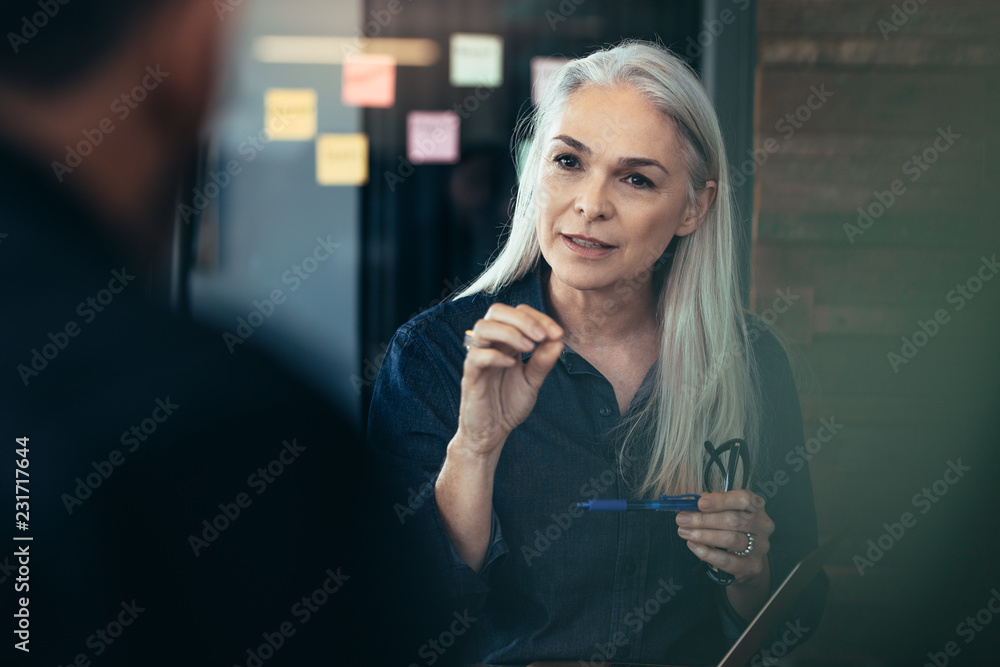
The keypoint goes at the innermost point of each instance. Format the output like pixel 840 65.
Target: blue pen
pixel 684 503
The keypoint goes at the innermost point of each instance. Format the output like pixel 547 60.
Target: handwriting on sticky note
pixel 476 60
pixel 369 80
pixel 342 159
pixel 432 137
pixel 542 70
pixel 290 113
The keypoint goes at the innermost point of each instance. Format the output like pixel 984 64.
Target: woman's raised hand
pixel 498 389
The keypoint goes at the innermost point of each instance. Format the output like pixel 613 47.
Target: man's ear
pixel 698 211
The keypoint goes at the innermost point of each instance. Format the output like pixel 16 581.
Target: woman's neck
pixel 602 318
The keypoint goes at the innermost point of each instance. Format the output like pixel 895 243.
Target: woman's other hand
pixel 723 521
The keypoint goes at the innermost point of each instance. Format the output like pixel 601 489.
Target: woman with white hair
pixel 594 358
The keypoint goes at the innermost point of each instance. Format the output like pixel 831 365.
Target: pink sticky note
pixel 542 70
pixel 432 137
pixel 369 80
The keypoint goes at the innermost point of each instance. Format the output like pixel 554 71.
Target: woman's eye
pixel 639 181
pixel 568 161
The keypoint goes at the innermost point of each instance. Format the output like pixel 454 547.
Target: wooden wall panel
pixel 868 292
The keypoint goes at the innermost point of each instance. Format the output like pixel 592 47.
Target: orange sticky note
pixel 432 137
pixel 342 159
pixel 369 80
pixel 542 70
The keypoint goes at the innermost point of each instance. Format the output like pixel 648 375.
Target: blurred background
pixel 360 163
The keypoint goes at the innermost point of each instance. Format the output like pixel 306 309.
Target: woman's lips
pixel 586 247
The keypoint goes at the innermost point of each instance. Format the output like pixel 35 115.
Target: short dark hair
pixel 49 43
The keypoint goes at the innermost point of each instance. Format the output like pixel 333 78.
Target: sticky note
pixel 542 70
pixel 290 113
pixel 369 80
pixel 342 159
pixel 476 60
pixel 432 137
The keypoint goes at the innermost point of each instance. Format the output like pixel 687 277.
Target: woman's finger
pixel 741 567
pixel 730 540
pixel 541 362
pixel 497 334
pixel 482 358
pixel 532 323
pixel 744 500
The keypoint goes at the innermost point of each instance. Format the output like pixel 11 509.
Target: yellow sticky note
pixel 476 60
pixel 369 80
pixel 342 159
pixel 290 113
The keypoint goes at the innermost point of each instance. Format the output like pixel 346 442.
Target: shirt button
pixel 605 411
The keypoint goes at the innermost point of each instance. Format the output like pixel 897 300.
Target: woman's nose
pixel 594 200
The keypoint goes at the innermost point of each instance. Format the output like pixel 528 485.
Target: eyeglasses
pixel 738 452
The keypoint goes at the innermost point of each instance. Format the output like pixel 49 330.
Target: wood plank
pixel 827 198
pixel 959 167
pixel 887 99
pixel 872 276
pixel 970 232
pixel 960 361
pixel 859 142
pixel 974 50
pixel 861 17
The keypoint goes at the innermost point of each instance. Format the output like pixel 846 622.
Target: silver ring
pixel 468 342
pixel 746 552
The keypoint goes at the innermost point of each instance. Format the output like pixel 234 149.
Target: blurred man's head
pixel 110 94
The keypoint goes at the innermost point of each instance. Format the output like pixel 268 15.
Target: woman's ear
pixel 698 211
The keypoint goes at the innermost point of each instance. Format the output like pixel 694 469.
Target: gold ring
pixel 468 342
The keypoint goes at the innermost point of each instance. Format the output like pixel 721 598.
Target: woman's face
pixel 612 190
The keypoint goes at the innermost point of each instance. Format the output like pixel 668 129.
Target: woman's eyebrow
pixel 631 162
pixel 623 163
pixel 572 143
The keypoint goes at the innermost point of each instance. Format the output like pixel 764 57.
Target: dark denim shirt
pixel 559 583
